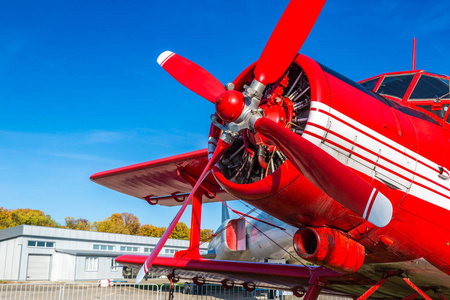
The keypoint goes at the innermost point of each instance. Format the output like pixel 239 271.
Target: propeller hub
pixel 229 105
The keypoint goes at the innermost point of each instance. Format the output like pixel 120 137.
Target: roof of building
pixel 72 234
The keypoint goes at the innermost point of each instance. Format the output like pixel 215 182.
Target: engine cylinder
pixel 330 248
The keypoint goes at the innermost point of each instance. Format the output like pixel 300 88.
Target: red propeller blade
pixel 221 147
pixel 191 75
pixel 287 38
pixel 328 174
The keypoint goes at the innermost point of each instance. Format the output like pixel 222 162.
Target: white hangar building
pixel 45 253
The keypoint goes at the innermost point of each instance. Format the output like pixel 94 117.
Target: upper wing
pixel 163 181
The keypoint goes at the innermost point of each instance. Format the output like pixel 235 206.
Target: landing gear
pixel 173 279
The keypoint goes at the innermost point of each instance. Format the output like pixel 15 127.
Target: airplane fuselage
pixel 398 150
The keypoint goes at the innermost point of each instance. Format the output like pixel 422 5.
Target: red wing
pixel 161 181
pixel 264 275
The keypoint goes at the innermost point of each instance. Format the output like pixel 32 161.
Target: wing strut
pixel 196 220
pixel 315 286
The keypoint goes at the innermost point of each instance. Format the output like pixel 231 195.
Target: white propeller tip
pixel 140 275
pixel 163 57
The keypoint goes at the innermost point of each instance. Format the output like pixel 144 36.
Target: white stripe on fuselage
pixel 375 155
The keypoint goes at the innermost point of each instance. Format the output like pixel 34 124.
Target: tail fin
pixel 225 213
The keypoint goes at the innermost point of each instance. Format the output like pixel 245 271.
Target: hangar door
pixel 38 267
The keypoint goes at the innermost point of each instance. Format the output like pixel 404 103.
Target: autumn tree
pixel 124 223
pixel 180 232
pixel 152 230
pixel 206 235
pixel 5 218
pixel 27 216
pixel 78 224
pixel 32 217
pixel 132 223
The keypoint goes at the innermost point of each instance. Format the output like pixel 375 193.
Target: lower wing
pixel 247 274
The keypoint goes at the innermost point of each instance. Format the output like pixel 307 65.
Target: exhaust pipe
pixel 330 248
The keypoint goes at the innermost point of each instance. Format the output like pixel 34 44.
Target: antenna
pixel 414 55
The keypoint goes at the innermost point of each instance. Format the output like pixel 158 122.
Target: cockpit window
pixel 370 85
pixel 395 86
pixel 429 87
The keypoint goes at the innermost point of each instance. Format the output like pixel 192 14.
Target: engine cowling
pixel 330 248
pixel 256 171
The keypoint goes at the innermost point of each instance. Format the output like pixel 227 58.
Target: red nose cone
pixel 229 105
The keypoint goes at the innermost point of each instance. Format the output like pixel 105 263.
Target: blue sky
pixel 81 91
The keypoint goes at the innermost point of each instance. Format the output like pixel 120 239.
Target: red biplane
pixel 357 168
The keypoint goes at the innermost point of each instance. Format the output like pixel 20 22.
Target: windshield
pixel 429 87
pixel 395 86
pixel 370 85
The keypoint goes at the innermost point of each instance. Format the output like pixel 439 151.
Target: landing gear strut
pixel 400 274
pixel 173 279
